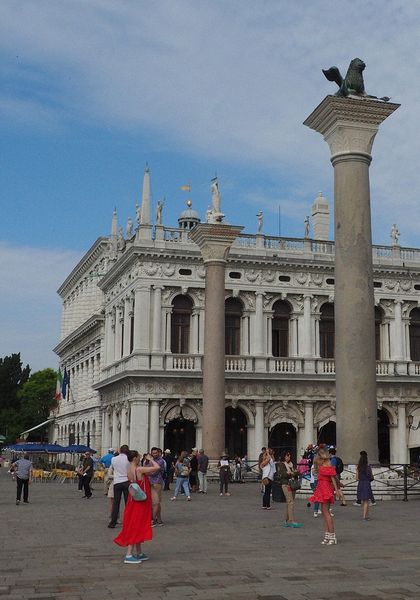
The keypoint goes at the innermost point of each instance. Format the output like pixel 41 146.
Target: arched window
pixel 180 324
pixel 233 314
pixel 415 334
pixel 280 328
pixel 379 314
pixel 326 331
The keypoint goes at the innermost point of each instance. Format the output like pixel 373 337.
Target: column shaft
pixel 154 424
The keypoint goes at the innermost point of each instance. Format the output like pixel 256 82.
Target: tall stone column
pixel 115 432
pixel 106 438
pixel 141 343
pixel 349 126
pixel 214 241
pixel 154 424
pixel 307 326
pixel 157 328
pixel 398 332
pixel 402 434
pixel 259 435
pixel 127 326
pixel 139 424
pixel 308 432
pixel 124 424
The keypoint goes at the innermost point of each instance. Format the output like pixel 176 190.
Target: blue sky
pixel 91 91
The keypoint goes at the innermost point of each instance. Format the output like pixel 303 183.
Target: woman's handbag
pixel 265 481
pixel 294 484
pixel 136 492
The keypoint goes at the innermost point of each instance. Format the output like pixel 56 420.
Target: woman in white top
pixel 268 467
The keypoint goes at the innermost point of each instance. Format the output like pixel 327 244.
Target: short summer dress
pixel 324 491
pixel 137 526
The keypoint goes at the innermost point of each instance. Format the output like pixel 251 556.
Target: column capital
pixel 349 125
pixel 214 240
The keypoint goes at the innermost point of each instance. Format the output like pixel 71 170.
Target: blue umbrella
pixel 34 447
pixel 78 449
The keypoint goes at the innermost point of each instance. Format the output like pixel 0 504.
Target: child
pixel 324 493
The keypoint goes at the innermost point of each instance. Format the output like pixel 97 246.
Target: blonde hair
pixel 320 457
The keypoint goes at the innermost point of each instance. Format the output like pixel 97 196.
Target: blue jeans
pixel 182 482
pixel 316 504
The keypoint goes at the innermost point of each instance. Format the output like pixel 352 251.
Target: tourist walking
pixel 156 485
pixel 105 461
pixel 87 474
pixel 22 469
pixel 203 465
pixel 120 465
pixel 324 492
pixel 169 473
pixel 268 467
pixel 137 527
pixel 182 473
pixel 193 470
pixel 338 465
pixel 289 483
pixel 224 474
pixel 364 477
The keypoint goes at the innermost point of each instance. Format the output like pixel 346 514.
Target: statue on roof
pixel 158 214
pixel 129 228
pixel 214 215
pixel 307 227
pixel 395 234
pixel 260 218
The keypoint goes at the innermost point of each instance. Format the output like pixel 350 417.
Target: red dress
pixel 137 517
pixel 324 491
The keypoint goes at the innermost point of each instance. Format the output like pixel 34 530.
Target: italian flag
pixel 58 395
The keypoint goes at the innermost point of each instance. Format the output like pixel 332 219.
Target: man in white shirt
pixel 120 464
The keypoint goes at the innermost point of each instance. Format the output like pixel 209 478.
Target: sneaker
pixel 373 504
pixel 315 515
pixel 343 504
pixel 111 525
pixel 26 502
pixel 286 524
pixel 296 525
pixel 357 504
pixel 308 505
pixel 189 498
pixel 320 512
pixel 142 557
pixel 173 498
pixel 154 524
pixel 132 560
pixel 331 513
pixel 221 494
pixel 160 524
pixel 227 494
pixel 17 502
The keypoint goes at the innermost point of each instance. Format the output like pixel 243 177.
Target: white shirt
pixel 120 465
pixel 269 470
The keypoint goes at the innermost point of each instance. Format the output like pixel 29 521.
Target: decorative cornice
pixel 93 322
pixel 88 260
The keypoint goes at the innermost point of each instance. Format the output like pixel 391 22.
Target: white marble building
pixel 133 329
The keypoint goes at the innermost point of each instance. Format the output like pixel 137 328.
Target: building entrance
pixel 327 434
pixel 283 437
pixel 179 435
pixel 235 432
pixel 384 454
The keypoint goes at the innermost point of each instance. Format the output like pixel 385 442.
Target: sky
pixel 92 91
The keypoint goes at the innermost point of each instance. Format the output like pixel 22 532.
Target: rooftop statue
pixel 353 83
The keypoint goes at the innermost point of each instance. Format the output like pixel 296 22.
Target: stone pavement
pixel 58 547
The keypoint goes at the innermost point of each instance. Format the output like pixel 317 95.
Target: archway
pixel 179 435
pixel 384 454
pixel 235 432
pixel 327 434
pixel 283 437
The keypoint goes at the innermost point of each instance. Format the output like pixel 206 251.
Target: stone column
pixel 142 324
pixel 119 317
pixel 124 424
pixel 349 126
pixel 259 434
pixel 259 325
pixel 157 328
pixel 115 432
pixel 402 452
pixel 106 440
pixel 139 424
pixel 398 331
pixel 154 424
pixel 308 432
pixel 127 326
pixel 307 329
pixel 214 241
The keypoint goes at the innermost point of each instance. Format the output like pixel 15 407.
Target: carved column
pixel 349 126
pixel 115 432
pixel 124 424
pixel 127 326
pixel 142 324
pixel 259 434
pixel 157 328
pixel 214 241
pixel 106 439
pixel 308 432
pixel 402 456
pixel 119 318
pixel 154 424
pixel 398 332
pixel 139 424
pixel 307 327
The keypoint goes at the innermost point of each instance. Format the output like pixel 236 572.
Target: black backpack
pixel 339 467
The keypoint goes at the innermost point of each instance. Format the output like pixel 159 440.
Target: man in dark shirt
pixel 203 465
pixel 87 474
pixel 170 461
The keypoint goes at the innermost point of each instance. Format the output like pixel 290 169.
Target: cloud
pixel 230 81
pixel 29 304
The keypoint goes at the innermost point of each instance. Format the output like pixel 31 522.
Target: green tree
pixel 12 377
pixel 37 399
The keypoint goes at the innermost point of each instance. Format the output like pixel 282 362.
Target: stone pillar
pixel 259 434
pixel 115 433
pixel 402 452
pixel 154 424
pixel 127 326
pixel 124 424
pixel 119 317
pixel 259 325
pixel 398 332
pixel 139 424
pixel 214 241
pixel 157 328
pixel 349 126
pixel 142 324
pixel 308 432
pixel 106 440
pixel 307 327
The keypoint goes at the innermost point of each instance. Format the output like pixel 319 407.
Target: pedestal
pixel 214 241
pixel 349 126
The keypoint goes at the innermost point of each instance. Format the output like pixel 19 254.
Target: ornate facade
pixel 133 330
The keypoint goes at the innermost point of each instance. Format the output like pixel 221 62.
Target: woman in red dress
pixel 324 493
pixel 137 527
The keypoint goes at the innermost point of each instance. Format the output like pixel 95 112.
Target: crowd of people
pixel 141 479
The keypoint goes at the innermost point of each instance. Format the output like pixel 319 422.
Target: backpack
pixel 339 467
pixel 136 492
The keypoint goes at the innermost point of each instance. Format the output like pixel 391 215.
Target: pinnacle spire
pixel 145 198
